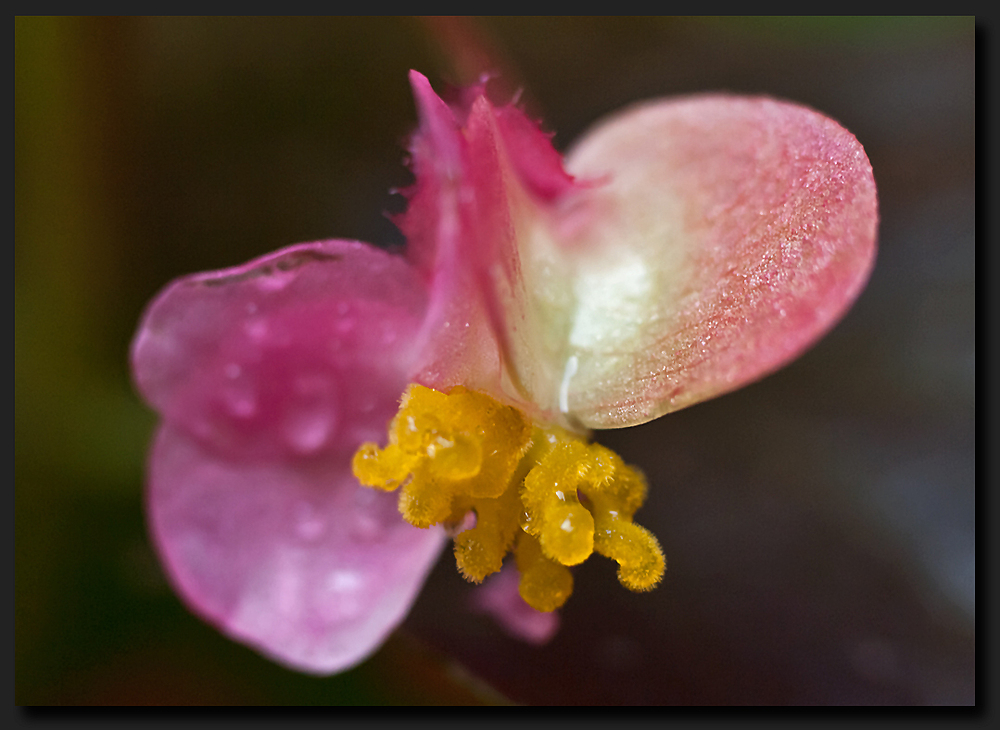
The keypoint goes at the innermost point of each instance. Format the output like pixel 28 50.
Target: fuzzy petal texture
pixel 730 234
pixel 268 377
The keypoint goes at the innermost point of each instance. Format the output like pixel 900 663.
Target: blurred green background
pixel 819 526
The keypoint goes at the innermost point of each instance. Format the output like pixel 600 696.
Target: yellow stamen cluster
pixel 463 451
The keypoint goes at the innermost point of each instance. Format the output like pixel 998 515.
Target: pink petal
pixel 443 242
pixel 268 377
pixel 302 564
pixel 499 597
pixel 538 165
pixel 302 351
pixel 747 224
pixel 710 241
pixel 487 178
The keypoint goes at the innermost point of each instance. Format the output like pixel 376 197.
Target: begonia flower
pixel 684 248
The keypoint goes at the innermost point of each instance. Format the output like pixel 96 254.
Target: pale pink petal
pixel 268 377
pixel 730 234
pixel 499 597
pixel 701 244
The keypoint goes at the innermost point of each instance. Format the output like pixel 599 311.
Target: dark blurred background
pixel 819 526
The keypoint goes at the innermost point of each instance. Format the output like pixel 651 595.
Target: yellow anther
pixel 480 551
pixel 384 469
pixel 567 533
pixel 457 457
pixel 640 560
pixel 426 499
pixel 545 584
pixel 463 452
pixel 554 514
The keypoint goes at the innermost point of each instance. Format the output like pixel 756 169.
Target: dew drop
pixel 275 280
pixel 343 581
pixel 366 528
pixel 310 419
pixel 373 515
pixel 308 427
pixel 342 589
pixel 308 524
pixel 239 396
pixel 242 407
pixel 256 330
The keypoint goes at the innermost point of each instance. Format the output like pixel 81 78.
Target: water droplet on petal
pixel 308 428
pixel 274 280
pixel 311 418
pixel 366 528
pixel 343 581
pixel 242 407
pixel 373 512
pixel 342 589
pixel 308 524
pixel 239 396
pixel 256 330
